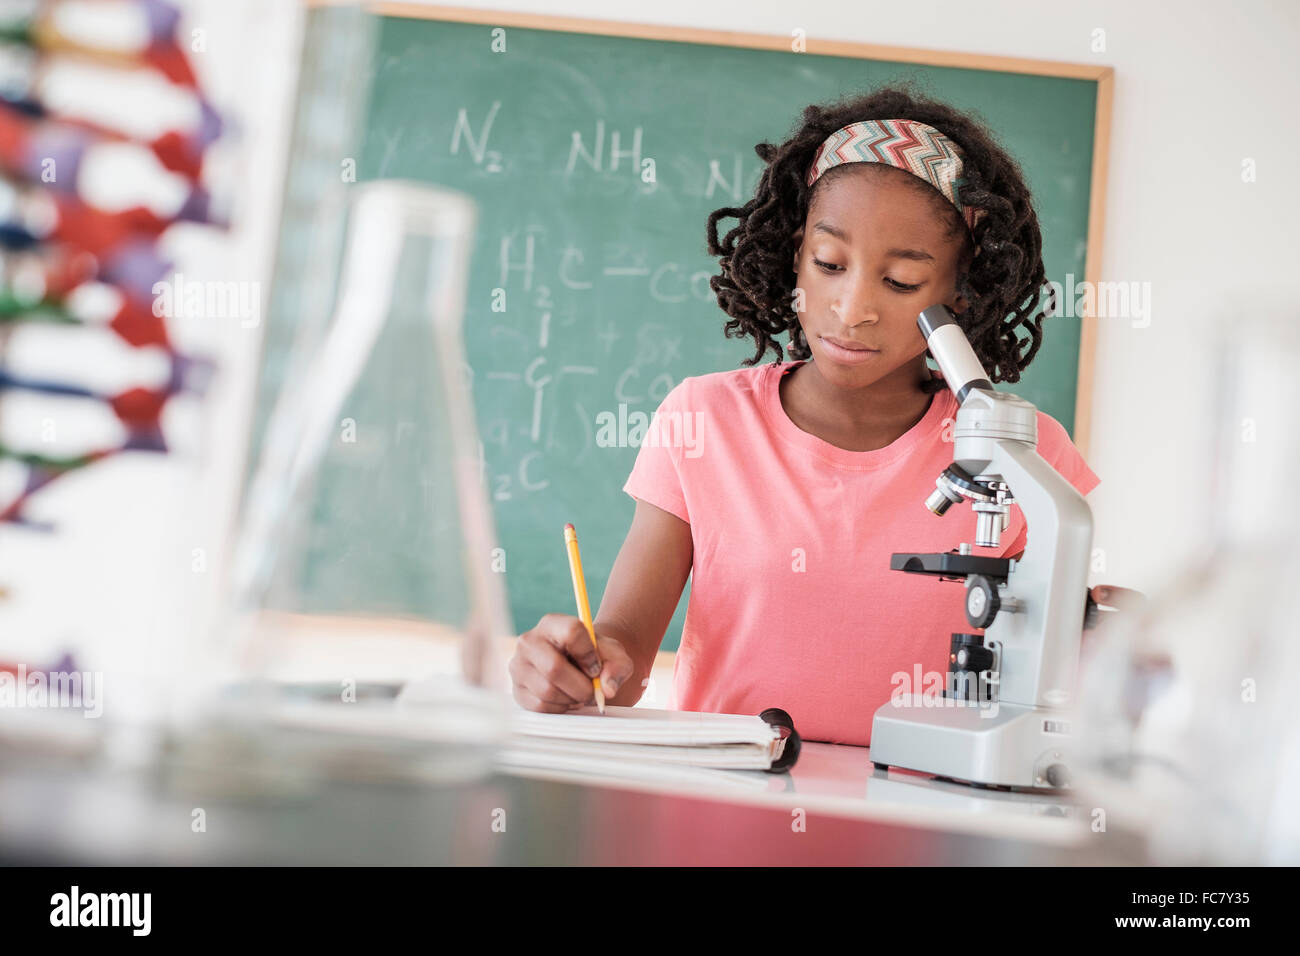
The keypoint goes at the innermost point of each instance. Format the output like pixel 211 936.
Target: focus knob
pixel 982 601
pixel 974 658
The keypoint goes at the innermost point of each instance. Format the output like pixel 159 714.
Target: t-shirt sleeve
pixel 656 475
pixel 1055 446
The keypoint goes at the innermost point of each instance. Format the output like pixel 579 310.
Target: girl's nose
pixel 854 303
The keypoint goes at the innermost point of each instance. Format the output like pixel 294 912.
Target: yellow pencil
pixel 584 606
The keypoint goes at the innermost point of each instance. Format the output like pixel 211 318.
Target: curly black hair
pixel 1002 274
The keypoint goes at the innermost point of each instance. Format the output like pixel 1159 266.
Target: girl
pixel 803 477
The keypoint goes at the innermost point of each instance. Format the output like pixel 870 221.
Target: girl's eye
pixel 900 286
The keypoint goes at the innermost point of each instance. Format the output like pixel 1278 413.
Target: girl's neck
pixel 894 399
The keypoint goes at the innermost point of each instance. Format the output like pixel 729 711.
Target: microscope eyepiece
pixel 951 349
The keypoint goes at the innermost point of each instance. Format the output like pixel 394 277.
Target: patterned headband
pixel 921 150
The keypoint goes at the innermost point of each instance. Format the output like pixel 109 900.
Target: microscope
pixel 1003 720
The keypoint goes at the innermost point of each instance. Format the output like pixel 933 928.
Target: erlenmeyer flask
pixel 365 552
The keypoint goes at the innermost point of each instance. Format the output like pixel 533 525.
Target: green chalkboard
pixel 604 297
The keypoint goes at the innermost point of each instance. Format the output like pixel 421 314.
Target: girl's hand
pixel 1122 599
pixel 554 663
pixel 1145 663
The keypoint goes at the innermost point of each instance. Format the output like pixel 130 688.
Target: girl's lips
pixel 844 355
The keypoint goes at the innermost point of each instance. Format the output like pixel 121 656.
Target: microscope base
pixel 987 743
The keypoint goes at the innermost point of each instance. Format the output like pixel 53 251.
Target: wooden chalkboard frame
pixel 1103 76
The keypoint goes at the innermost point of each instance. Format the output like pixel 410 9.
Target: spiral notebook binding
pixel 786 748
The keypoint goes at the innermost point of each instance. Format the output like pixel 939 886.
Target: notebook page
pixel 719 756
pixel 642 725
pixel 587 768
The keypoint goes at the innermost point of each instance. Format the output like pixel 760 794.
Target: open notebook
pixel 639 741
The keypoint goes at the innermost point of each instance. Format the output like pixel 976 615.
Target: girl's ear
pixel 798 247
pixel 960 305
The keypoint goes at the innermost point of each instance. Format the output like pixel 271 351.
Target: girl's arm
pixel 643 590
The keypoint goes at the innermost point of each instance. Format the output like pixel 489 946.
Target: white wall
pixel 1199 86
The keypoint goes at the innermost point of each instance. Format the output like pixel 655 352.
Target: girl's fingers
pixel 1125 599
pixel 536 686
pixel 531 701
pixel 564 682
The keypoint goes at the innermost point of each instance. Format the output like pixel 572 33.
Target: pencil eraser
pixel 569 527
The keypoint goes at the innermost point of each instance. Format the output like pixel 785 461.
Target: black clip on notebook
pixel 779 719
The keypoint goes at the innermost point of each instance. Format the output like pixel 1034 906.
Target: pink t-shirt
pixel 793 603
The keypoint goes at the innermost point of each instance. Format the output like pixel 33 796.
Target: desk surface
pixel 829 778
pixel 840 781
pixel 62 812
pixel 286 797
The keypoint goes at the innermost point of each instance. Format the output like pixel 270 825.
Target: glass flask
pixel 363 564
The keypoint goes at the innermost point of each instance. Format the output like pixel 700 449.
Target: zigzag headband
pixel 921 150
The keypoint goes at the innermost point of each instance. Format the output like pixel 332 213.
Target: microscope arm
pixel 1051 577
